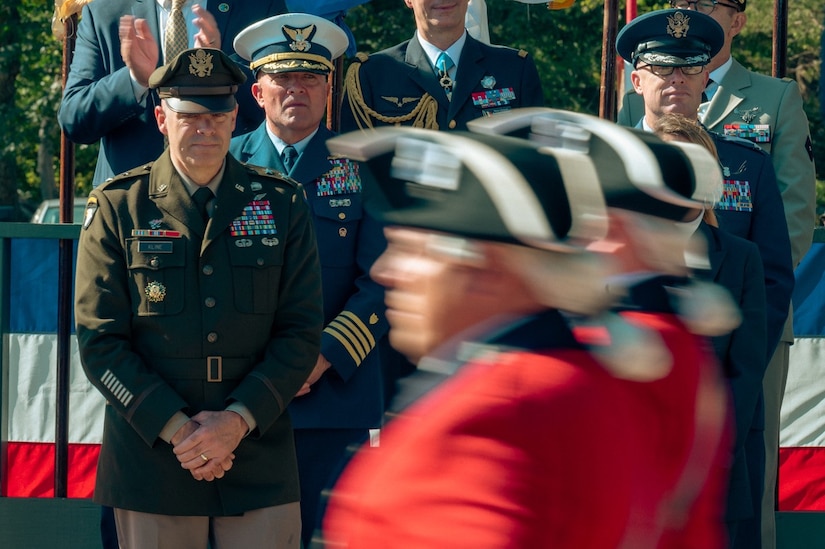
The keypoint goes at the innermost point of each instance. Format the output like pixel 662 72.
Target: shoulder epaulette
pixel 362 57
pixel 270 173
pixel 130 174
pixel 522 53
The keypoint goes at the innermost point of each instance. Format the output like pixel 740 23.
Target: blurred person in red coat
pixel 532 437
pixel 510 450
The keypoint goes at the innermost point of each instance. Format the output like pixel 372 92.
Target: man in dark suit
pixel 439 79
pixel 198 306
pixel 291 56
pixel 669 50
pixel 119 43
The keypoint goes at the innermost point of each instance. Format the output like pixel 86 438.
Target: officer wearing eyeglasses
pixel 704 6
pixel 670 51
pixel 768 112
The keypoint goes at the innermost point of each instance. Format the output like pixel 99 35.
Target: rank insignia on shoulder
pixel 342 178
pixel 91 210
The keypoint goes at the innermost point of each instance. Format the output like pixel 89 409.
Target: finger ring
pixel 204 458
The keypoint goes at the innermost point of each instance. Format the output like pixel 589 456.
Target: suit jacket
pixel 151 308
pixel 98 100
pixel 736 266
pixel 397 81
pixel 744 96
pixel 350 394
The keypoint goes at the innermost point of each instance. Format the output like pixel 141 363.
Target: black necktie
pixel 289 156
pixel 705 97
pixel 201 198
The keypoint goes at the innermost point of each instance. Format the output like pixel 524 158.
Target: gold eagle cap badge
pixel 300 37
pixel 678 25
pixel 200 64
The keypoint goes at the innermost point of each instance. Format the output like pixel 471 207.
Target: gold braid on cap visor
pixel 293 61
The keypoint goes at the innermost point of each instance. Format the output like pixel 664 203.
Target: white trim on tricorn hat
pixel 514 196
pixel 639 153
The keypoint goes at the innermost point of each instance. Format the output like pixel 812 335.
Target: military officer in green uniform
pixel 198 307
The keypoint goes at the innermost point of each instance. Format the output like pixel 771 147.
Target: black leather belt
pixel 213 369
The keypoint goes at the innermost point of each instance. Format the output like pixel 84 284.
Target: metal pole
pixel 779 58
pixel 64 290
pixel 607 89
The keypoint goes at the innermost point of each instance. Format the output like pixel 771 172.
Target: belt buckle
pixel 214 369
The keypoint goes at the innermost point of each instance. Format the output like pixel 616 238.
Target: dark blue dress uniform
pixel 751 208
pixel 398 86
pixel 348 399
pixel 174 315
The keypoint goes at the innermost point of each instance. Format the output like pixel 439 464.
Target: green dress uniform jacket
pixel 169 320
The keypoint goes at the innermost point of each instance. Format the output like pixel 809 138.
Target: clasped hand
pixel 205 445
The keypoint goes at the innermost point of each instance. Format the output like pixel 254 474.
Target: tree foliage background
pixel 566 45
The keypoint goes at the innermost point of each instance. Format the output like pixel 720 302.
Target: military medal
pixel 155 292
pixel 488 82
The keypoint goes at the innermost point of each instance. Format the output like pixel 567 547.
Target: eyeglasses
pixel 667 70
pixel 704 6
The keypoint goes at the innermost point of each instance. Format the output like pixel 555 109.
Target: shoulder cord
pixel 424 115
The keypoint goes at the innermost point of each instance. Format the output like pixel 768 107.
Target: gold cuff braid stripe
pixel 353 334
pixel 424 115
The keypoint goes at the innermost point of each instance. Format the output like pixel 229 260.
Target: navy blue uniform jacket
pixel 751 208
pixel 397 81
pixel 349 395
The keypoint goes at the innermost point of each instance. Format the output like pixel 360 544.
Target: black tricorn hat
pixel 482 187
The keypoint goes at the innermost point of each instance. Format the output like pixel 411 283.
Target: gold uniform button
pixel 211 337
pixel 260 261
pixel 452 124
pixel 209 302
pixel 342 232
pixel 208 270
pixel 154 262
pixel 342 216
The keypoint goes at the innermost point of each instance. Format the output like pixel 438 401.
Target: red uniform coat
pixel 519 449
